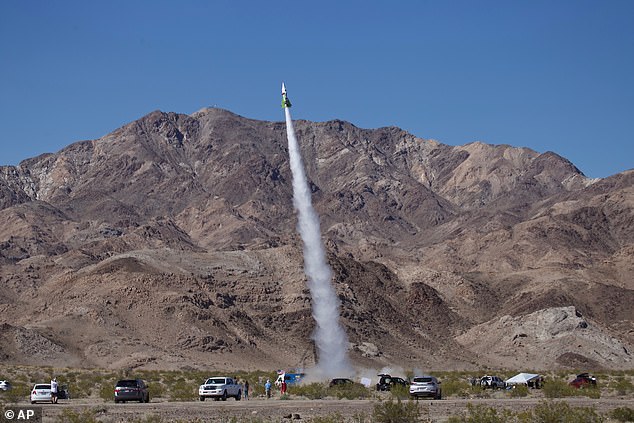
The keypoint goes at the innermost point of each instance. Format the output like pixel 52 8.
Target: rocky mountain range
pixel 171 242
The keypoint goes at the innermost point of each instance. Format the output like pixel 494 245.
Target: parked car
pixel 386 382
pixel 63 392
pixel 4 385
pixel 340 381
pixel 584 380
pixel 425 386
pixel 493 382
pixel 41 392
pixel 220 388
pixel 131 390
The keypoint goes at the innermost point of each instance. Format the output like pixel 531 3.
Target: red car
pixel 584 380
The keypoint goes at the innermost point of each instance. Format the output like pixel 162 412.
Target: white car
pixel 41 392
pixel 220 388
pixel 4 385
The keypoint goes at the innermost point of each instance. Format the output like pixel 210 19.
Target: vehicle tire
pixel 439 395
pixel 147 399
pixel 202 398
pixel 32 402
pixel 239 396
pixel 116 401
pixel 224 396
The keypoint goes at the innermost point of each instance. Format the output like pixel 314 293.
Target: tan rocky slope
pixel 171 242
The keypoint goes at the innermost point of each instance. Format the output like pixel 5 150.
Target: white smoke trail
pixel 330 338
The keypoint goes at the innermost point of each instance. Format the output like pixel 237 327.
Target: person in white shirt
pixel 54 390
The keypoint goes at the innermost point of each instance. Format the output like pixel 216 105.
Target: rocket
pixel 285 101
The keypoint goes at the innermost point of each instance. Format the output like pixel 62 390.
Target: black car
pixel 131 390
pixel 63 392
pixel 386 382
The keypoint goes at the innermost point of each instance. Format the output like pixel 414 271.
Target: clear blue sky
pixel 548 75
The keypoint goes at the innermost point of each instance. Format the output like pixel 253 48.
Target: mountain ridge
pixel 182 225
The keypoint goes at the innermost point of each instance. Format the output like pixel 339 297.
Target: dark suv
pixel 386 382
pixel 131 390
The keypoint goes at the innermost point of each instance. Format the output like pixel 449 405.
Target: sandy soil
pixel 276 410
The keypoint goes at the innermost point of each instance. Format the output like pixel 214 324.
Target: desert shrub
pixel 518 391
pixel 106 390
pixel 399 391
pixel 622 414
pixel 482 414
pixel 562 412
pixel 311 390
pixel 622 386
pixel 396 412
pixel 456 388
pixel 83 386
pixel 558 389
pixel 19 392
pixel 71 416
pixel 349 391
pixel 331 418
pixel 156 389
pixel 182 390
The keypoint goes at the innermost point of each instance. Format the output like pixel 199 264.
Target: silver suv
pixel 425 386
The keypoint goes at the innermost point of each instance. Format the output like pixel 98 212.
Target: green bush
pixel 482 414
pixel 623 386
pixel 561 412
pixel 518 391
pixel 396 412
pixel 19 392
pixel 313 390
pixel 457 388
pixel 106 390
pixel 558 389
pixel 331 418
pixel 71 416
pixel 349 391
pixel 399 391
pixel 182 390
pixel 622 414
pixel 157 389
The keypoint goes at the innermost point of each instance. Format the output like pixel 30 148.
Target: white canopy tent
pixel 522 379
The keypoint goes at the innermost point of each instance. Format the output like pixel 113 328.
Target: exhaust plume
pixel 330 339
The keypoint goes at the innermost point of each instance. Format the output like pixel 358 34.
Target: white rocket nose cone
pixel 283 89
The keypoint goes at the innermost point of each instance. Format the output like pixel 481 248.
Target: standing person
pixel 267 388
pixel 54 390
pixel 246 390
pixel 283 388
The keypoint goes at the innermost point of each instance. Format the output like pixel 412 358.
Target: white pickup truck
pixel 220 387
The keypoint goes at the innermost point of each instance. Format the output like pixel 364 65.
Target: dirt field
pixel 275 410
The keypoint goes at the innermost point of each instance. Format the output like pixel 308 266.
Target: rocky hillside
pixel 171 242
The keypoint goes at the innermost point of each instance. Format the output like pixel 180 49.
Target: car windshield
pixel 423 380
pixel 42 387
pixel 215 381
pixel 127 383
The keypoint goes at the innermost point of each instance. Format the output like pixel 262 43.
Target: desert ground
pixel 275 410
